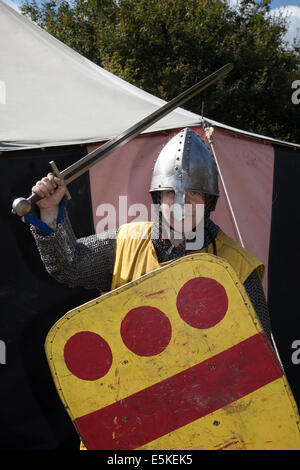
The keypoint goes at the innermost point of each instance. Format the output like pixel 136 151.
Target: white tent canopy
pixel 50 95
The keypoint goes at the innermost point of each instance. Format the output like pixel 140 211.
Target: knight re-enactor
pixel 184 174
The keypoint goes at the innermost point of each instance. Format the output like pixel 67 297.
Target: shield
pixel 174 360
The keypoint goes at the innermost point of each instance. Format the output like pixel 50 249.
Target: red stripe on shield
pixel 177 401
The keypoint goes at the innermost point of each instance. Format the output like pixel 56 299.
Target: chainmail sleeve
pixel 85 262
pixel 256 294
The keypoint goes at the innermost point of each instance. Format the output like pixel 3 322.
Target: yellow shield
pixel 174 360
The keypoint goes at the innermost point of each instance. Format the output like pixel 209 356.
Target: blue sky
pixel 279 3
pixel 291 7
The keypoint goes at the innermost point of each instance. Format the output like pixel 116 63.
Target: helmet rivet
pixel 185 159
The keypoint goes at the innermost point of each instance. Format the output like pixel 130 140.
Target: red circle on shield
pixel 87 355
pixel 146 331
pixel 202 302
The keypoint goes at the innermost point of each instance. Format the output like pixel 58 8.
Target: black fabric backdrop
pixel 284 261
pixel 31 415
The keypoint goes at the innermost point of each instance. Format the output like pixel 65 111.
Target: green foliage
pixel 165 46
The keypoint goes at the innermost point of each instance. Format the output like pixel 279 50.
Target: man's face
pixel 193 210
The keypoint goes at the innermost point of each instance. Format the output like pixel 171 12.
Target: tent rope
pixel 209 132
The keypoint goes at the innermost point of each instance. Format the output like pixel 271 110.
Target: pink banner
pixel 247 169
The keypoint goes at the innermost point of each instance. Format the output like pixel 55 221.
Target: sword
pixel 22 206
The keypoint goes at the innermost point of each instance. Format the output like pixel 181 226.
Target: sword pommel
pixel 22 206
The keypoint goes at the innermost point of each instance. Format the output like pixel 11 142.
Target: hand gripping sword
pixel 22 206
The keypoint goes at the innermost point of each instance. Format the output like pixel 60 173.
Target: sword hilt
pixel 22 206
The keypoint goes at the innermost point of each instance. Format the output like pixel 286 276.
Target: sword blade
pixel 82 165
pixel 23 206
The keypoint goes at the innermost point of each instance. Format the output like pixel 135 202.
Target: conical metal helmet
pixel 185 164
